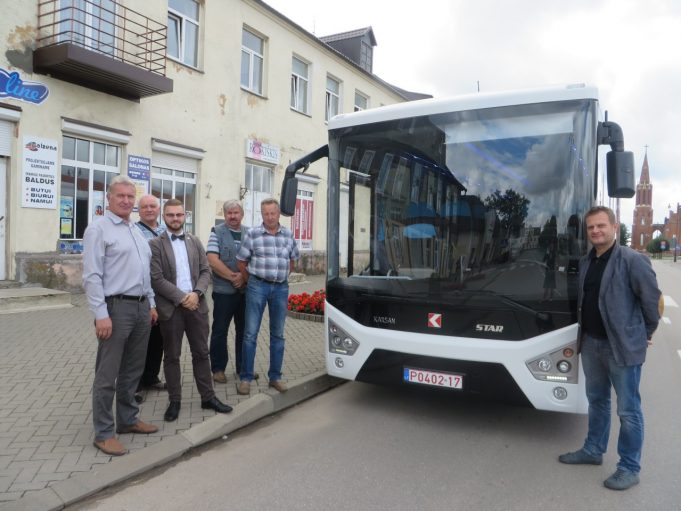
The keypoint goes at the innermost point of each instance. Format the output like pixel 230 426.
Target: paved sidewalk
pixel 46 369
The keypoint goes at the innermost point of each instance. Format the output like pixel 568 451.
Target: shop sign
pixel 39 179
pixel 260 151
pixel 139 171
pixel 13 87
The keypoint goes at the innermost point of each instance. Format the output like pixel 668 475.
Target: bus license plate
pixel 434 378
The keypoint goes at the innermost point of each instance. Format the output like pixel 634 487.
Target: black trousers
pixel 152 366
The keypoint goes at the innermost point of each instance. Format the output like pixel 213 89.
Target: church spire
pixel 645 174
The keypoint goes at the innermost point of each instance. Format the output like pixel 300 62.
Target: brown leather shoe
pixel 219 377
pixel 142 428
pixel 110 446
pixel 244 388
pixel 278 385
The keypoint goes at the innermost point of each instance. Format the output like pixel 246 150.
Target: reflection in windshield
pixel 462 202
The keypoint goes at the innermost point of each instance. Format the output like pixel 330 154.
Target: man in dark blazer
pixel 180 276
pixel 617 302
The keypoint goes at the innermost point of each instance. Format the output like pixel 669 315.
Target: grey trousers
pixel 195 324
pixel 119 367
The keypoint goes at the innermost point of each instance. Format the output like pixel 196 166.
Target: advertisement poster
pixel 139 170
pixel 98 205
pixel 66 207
pixel 39 173
pixel 65 227
pixel 302 222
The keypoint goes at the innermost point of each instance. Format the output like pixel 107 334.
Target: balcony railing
pixel 79 37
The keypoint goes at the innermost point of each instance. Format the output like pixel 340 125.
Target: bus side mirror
pixel 620 167
pixel 289 193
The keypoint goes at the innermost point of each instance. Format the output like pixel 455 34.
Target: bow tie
pixel 174 237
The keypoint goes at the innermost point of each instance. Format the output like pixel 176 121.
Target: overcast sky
pixel 629 49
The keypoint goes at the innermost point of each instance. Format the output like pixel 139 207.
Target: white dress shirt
pixel 182 272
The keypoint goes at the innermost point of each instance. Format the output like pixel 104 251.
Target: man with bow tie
pixel 180 275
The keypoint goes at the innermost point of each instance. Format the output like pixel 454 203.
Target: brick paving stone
pixel 46 369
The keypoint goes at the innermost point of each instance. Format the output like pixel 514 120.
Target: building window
pixel 332 98
pixel 366 56
pixel 87 168
pixel 361 101
pixel 88 24
pixel 252 48
pixel 176 184
pixel 258 182
pixel 299 85
pixel 183 31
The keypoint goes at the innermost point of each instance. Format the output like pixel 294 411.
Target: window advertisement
pixel 302 220
pixel 139 170
pixel 39 179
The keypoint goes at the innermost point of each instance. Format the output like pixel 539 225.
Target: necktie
pixel 174 237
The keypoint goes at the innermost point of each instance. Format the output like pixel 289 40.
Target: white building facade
pixel 198 100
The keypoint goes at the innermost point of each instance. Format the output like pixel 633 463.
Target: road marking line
pixel 669 301
pixel 666 320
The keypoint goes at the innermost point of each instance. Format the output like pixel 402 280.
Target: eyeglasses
pixel 174 215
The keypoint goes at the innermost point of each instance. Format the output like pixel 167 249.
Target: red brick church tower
pixel 642 228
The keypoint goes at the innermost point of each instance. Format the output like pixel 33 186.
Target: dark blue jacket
pixel 628 302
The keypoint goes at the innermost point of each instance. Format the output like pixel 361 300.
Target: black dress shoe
pixel 172 411
pixel 217 405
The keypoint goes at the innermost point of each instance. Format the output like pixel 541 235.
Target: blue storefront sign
pixel 139 170
pixel 13 87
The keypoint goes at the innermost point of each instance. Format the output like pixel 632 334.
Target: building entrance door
pixel 3 215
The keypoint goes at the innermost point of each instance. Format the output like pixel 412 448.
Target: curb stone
pixel 79 487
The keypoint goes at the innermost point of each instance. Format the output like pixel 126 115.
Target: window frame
pixel 183 20
pixel 329 96
pixel 164 174
pixel 296 80
pixel 252 55
pixel 359 108
pixel 90 167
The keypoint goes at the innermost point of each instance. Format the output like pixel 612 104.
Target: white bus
pixel 454 231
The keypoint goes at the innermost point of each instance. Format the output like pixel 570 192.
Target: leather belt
pixel 265 280
pixel 131 298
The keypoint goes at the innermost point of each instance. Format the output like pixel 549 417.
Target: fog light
pixel 339 363
pixel 560 393
pixel 564 366
pixel 544 364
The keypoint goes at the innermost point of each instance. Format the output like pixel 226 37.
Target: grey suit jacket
pixel 164 273
pixel 628 302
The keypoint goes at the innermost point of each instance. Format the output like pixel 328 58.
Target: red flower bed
pixel 308 303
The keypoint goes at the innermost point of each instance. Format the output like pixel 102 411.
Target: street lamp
pixel 675 237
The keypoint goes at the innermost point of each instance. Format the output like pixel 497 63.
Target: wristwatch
pixel 199 293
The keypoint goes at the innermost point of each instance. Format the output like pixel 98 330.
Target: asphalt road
pixel 362 447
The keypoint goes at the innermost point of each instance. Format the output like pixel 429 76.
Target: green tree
pixel 655 246
pixel 511 207
pixel 625 237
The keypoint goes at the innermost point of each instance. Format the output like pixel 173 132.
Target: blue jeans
pixel 258 294
pixel 602 373
pixel 226 307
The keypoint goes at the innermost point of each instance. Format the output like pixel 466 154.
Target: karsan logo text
pixel 489 328
pixel 34 146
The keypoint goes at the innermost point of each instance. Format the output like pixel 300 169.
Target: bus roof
pixel 472 101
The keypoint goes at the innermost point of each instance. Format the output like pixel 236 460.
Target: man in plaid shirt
pixel 265 259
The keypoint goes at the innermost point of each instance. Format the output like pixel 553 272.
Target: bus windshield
pixel 476 215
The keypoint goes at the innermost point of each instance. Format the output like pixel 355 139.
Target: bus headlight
pixel 554 367
pixel 564 366
pixel 340 342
